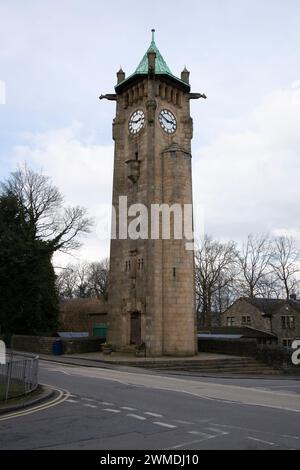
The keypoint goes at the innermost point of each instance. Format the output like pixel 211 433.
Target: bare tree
pixel 254 260
pixel 215 271
pixel 99 278
pixel 83 288
pixel 43 207
pixel 66 282
pixel 285 263
pixel 84 280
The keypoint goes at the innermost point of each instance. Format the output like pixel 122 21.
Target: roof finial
pixel 153 34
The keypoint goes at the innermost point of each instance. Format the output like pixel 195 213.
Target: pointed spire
pixel 153 35
pixel 153 63
pixel 160 66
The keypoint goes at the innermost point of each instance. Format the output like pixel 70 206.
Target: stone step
pixel 209 364
pixel 219 369
pixel 230 365
pixel 226 372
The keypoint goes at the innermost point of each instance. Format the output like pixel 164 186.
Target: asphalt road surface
pixel 129 409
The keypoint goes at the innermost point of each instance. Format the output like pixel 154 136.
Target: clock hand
pixel 168 120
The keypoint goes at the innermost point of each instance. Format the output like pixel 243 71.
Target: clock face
pixel 136 122
pixel 168 121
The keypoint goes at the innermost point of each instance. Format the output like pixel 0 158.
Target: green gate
pixel 100 331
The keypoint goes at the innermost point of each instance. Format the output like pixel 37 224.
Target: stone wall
pixel 43 345
pixel 33 344
pixel 81 346
pixel 278 357
pixel 247 347
pixel 275 356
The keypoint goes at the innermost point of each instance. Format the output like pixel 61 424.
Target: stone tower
pixel 151 294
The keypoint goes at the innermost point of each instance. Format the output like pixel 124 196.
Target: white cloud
pixel 248 180
pixel 82 171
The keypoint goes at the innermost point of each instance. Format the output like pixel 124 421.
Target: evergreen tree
pixel 28 298
pixel 33 226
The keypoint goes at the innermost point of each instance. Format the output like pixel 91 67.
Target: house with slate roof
pixel 275 316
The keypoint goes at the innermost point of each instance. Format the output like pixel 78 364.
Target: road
pixel 127 409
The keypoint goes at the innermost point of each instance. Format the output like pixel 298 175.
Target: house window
pixel 291 323
pixel 287 343
pixel 230 321
pixel 288 323
pixel 246 321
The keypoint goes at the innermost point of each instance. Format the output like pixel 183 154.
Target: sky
pixel 57 57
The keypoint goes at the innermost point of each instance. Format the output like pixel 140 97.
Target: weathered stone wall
pixel 43 345
pixel 34 344
pixel 275 356
pixel 247 348
pixel 82 346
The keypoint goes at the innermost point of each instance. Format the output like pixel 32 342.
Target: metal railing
pixel 19 376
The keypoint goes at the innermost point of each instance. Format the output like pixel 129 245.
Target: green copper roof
pixel 161 67
pixel 160 64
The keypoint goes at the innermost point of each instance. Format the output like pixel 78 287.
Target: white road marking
pixel 201 434
pixel 127 408
pixel 154 415
pixel 141 418
pixel 180 446
pixel 111 411
pixel 87 405
pixel 218 431
pixel 88 399
pixel 72 401
pixel 165 425
pixel 257 431
pixel 200 389
pixel 179 421
pixel 263 442
pixel 105 403
pixel 60 371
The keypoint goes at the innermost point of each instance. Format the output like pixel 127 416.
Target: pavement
pixel 42 394
pixel 116 409
pixel 127 359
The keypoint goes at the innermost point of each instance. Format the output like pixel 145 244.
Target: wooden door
pixel 136 329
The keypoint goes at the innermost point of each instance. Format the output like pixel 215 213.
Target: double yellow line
pixel 63 395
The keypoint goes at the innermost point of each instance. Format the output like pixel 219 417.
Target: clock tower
pixel 151 288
